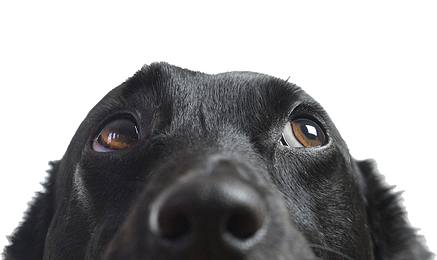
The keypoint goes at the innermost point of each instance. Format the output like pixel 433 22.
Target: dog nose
pixel 220 209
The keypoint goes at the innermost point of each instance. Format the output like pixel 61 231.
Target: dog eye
pixel 119 134
pixel 302 132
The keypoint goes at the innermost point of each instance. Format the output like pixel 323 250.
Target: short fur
pixel 323 202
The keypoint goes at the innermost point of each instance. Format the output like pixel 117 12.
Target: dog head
pixel 176 164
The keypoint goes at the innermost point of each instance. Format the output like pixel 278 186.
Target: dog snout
pixel 213 210
pixel 217 210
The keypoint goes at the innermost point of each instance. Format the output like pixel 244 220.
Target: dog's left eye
pixel 119 134
pixel 303 132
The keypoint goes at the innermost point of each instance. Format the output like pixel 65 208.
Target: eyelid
pixel 119 114
pixel 309 111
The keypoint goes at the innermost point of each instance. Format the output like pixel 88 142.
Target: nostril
pixel 214 209
pixel 173 225
pixel 244 223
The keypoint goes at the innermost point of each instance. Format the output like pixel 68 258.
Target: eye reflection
pixel 119 134
pixel 303 132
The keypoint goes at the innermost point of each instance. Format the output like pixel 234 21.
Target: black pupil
pixel 309 129
pixel 123 130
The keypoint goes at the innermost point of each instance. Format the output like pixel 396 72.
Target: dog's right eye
pixel 119 134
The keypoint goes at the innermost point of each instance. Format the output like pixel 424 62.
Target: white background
pixel 371 64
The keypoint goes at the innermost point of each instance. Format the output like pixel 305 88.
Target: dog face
pixel 176 164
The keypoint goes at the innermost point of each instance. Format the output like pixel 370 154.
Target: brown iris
pixel 303 132
pixel 119 134
pixel 307 132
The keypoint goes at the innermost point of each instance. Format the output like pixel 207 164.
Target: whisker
pixel 331 251
pixel 287 79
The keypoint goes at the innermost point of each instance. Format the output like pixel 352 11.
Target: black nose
pixel 219 209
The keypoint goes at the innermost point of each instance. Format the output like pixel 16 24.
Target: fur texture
pixel 322 203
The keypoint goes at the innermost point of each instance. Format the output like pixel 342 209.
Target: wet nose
pixel 218 209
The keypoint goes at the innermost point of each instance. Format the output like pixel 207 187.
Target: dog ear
pixel 27 241
pixel 393 237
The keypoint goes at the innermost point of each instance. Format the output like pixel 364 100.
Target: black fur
pixel 392 235
pixel 322 202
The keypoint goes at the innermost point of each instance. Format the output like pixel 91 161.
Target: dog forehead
pixel 229 85
pixel 232 91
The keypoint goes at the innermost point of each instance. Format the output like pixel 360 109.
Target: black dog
pixel 176 164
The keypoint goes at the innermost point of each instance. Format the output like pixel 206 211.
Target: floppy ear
pixel 393 237
pixel 27 241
